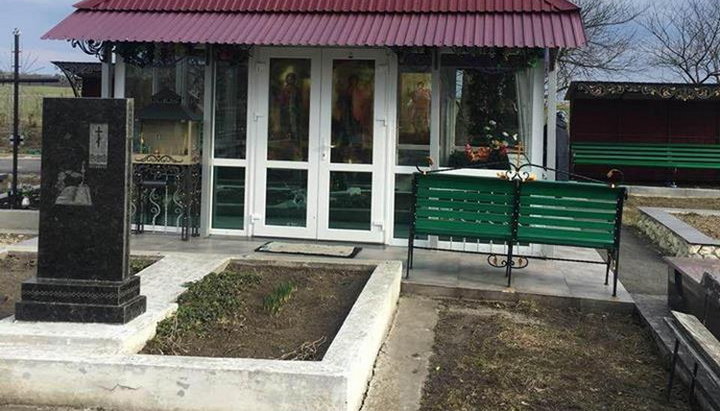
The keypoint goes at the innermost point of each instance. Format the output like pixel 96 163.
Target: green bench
pixel 670 155
pixel 513 212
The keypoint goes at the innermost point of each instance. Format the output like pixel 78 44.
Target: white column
pixel 119 76
pixel 538 116
pixel 207 148
pixel 552 119
pixel 106 78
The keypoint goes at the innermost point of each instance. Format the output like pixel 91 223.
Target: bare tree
pixel 610 34
pixel 685 39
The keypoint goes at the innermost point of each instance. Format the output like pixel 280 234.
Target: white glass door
pixel 287 130
pixel 353 133
pixel 321 130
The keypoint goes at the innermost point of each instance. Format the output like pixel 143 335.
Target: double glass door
pixel 321 127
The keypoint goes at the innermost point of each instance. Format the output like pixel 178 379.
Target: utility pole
pixel 16 80
pixel 16 120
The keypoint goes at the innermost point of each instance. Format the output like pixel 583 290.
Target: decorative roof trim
pixel 643 91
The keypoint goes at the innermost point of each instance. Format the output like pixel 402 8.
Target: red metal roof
pixel 316 6
pixel 539 23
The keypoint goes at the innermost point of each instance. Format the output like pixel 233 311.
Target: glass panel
pixel 352 112
pixel 175 131
pixel 403 204
pixel 286 198
pixel 139 85
pixel 289 109
pixel 229 198
pixel 479 109
pixel 350 200
pixel 414 97
pixel 231 89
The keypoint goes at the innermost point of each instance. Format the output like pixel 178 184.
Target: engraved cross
pixel 98 133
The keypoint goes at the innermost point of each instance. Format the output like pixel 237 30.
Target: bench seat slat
pixel 568 203
pixel 458 182
pixel 543 235
pixel 463 195
pixel 497 232
pixel 465 216
pixel 531 210
pixel 571 189
pixel 604 226
pixel 498 208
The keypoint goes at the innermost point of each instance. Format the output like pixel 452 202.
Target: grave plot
pixel 672 230
pixel 709 224
pixel 261 311
pixel 244 356
pixel 494 356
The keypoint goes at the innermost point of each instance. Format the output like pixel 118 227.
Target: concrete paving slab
pixel 456 274
pixel 402 364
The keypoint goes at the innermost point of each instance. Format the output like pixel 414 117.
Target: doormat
pixel 321 250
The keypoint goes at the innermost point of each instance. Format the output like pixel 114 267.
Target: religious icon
pixel 352 129
pixel 420 108
pixel 289 109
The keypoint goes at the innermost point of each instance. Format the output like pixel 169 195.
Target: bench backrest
pixel 569 213
pixel 541 212
pixel 676 155
pixel 464 206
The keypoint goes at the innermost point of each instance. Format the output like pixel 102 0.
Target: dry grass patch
pixel 532 357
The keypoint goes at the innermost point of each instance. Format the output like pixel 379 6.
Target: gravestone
pixel 83 269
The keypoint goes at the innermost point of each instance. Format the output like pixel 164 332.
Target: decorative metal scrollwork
pixel 100 49
pixel 159 158
pixel 501 261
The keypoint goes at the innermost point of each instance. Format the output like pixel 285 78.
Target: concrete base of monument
pixel 66 364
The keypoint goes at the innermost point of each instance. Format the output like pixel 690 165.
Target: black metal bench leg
pixel 607 270
pixel 616 272
pixel 508 267
pixel 408 266
pixel 673 366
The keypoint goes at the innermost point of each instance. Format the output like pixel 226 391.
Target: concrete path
pixel 439 273
pixel 402 364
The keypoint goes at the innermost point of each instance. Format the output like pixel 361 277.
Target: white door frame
pixel 318 164
pixel 261 165
pixel 380 135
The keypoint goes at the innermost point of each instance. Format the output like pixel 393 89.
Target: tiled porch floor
pixel 435 272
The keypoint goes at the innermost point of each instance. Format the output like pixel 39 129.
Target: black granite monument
pixel 83 269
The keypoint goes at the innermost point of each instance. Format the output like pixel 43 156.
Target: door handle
pixel 326 150
pixel 383 121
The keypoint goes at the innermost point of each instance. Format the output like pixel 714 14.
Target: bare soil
pixel 14 269
pixel 527 356
pixel 708 224
pixel 631 213
pixel 302 328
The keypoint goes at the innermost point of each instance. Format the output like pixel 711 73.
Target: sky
pixel 34 18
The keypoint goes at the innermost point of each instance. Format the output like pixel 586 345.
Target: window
pixel 415 90
pixel 231 93
pixel 478 106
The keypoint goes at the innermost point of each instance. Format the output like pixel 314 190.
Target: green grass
pixel 274 302
pixel 31 97
pixel 205 301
